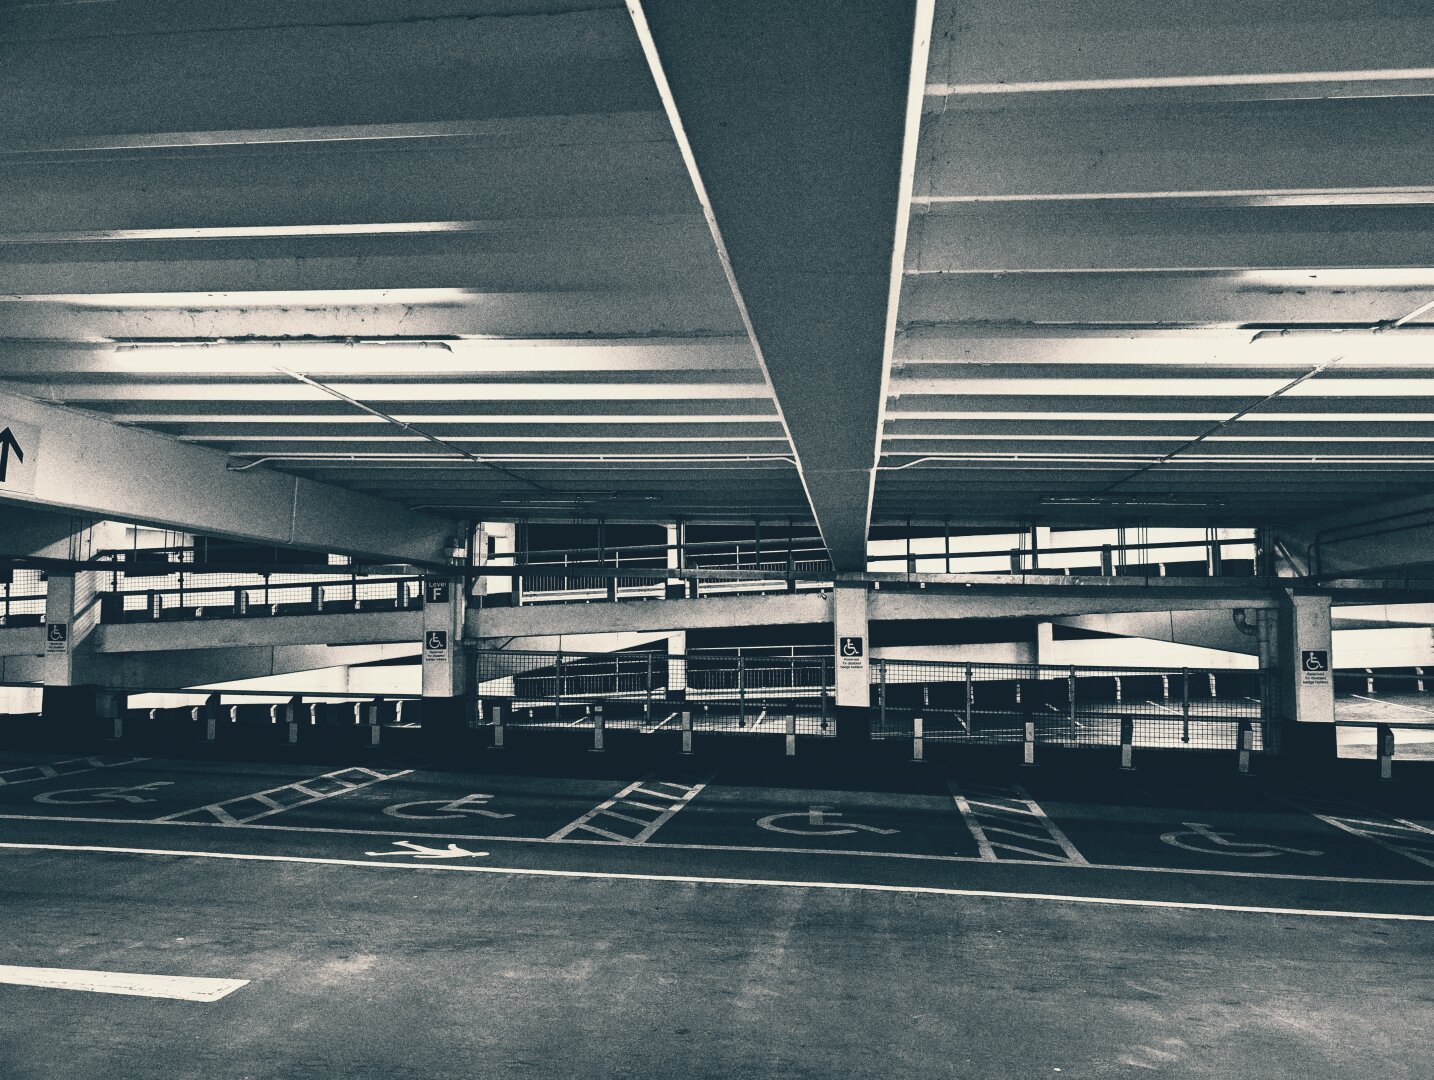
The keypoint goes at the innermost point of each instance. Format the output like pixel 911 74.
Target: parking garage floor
pixel 583 916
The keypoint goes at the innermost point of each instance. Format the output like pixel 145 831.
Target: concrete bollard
pixel 686 732
pixel 497 727
pixel 1384 744
pixel 791 735
pixel 293 732
pixel 118 728
pixel 1246 744
pixel 210 723
pixel 1127 742
pixel 1028 749
pixel 918 739
pixel 598 729
pixel 373 734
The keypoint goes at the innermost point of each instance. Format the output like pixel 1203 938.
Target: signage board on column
pixel 19 456
pixel 1314 667
pixel 435 592
pixel 57 637
pixel 435 645
pixel 851 654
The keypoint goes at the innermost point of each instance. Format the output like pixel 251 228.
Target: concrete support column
pixel 72 611
pixel 1045 643
pixel 1306 679
pixel 677 666
pixel 444 681
pixel 853 658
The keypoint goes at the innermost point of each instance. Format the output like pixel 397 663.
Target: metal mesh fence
pixel 231 594
pixel 958 702
pixel 649 691
pixel 1069 706
pixel 22 599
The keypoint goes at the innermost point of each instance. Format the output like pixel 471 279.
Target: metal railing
pixel 964 703
pixel 222 596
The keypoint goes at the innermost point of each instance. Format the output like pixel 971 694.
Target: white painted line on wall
pixel 691 879
pixel 174 987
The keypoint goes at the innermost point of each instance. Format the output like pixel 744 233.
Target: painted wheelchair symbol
pixel 819 820
pixel 1202 838
pixel 100 795
pixel 445 811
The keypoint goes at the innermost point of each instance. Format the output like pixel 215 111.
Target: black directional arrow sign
pixel 9 444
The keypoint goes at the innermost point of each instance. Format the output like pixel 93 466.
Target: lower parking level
pixel 732 916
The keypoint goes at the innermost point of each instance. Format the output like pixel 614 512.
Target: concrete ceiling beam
pixel 794 118
pixel 80 463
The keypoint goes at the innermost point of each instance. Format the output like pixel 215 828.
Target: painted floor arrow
pixel 419 851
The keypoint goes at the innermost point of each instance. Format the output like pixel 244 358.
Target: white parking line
pixel 28 774
pixel 1397 835
pixel 1395 704
pixel 611 811
pixel 235 812
pixel 910 856
pixel 670 717
pixel 174 987
pixel 692 879
pixel 1011 812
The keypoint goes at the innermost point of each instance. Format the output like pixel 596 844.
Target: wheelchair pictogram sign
pixel 819 821
pixel 1201 838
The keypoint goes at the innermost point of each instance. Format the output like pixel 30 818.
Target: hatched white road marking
pixel 1009 821
pixel 28 774
pixel 635 799
pixel 912 856
pixel 241 809
pixel 175 987
pixel 1406 838
pixel 691 879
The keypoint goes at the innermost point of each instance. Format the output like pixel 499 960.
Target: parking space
pixel 921 820
pixel 1223 827
pixel 1055 829
pixel 460 804
pixel 146 789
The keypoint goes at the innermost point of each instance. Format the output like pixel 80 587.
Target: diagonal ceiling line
pixel 1395 324
pixel 409 428
pixel 910 143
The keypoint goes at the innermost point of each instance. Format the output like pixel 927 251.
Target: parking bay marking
pixel 240 810
pixel 1406 838
pixel 993 814
pixel 911 856
pixel 449 811
pixel 1208 841
pixel 692 879
pixel 110 794
pixel 623 807
pixel 28 774
pixel 818 816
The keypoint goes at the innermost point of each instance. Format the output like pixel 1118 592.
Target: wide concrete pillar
pixel 853 662
pixel 444 672
pixel 72 611
pixel 1306 699
pixel 677 666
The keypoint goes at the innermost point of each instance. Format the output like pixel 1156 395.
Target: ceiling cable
pixel 409 428
pixel 1217 428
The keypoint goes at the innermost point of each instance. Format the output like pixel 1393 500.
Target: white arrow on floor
pixel 418 851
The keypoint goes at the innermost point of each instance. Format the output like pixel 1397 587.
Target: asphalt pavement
pixel 597 915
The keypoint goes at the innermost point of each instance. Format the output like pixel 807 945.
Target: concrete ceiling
pixel 581 261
